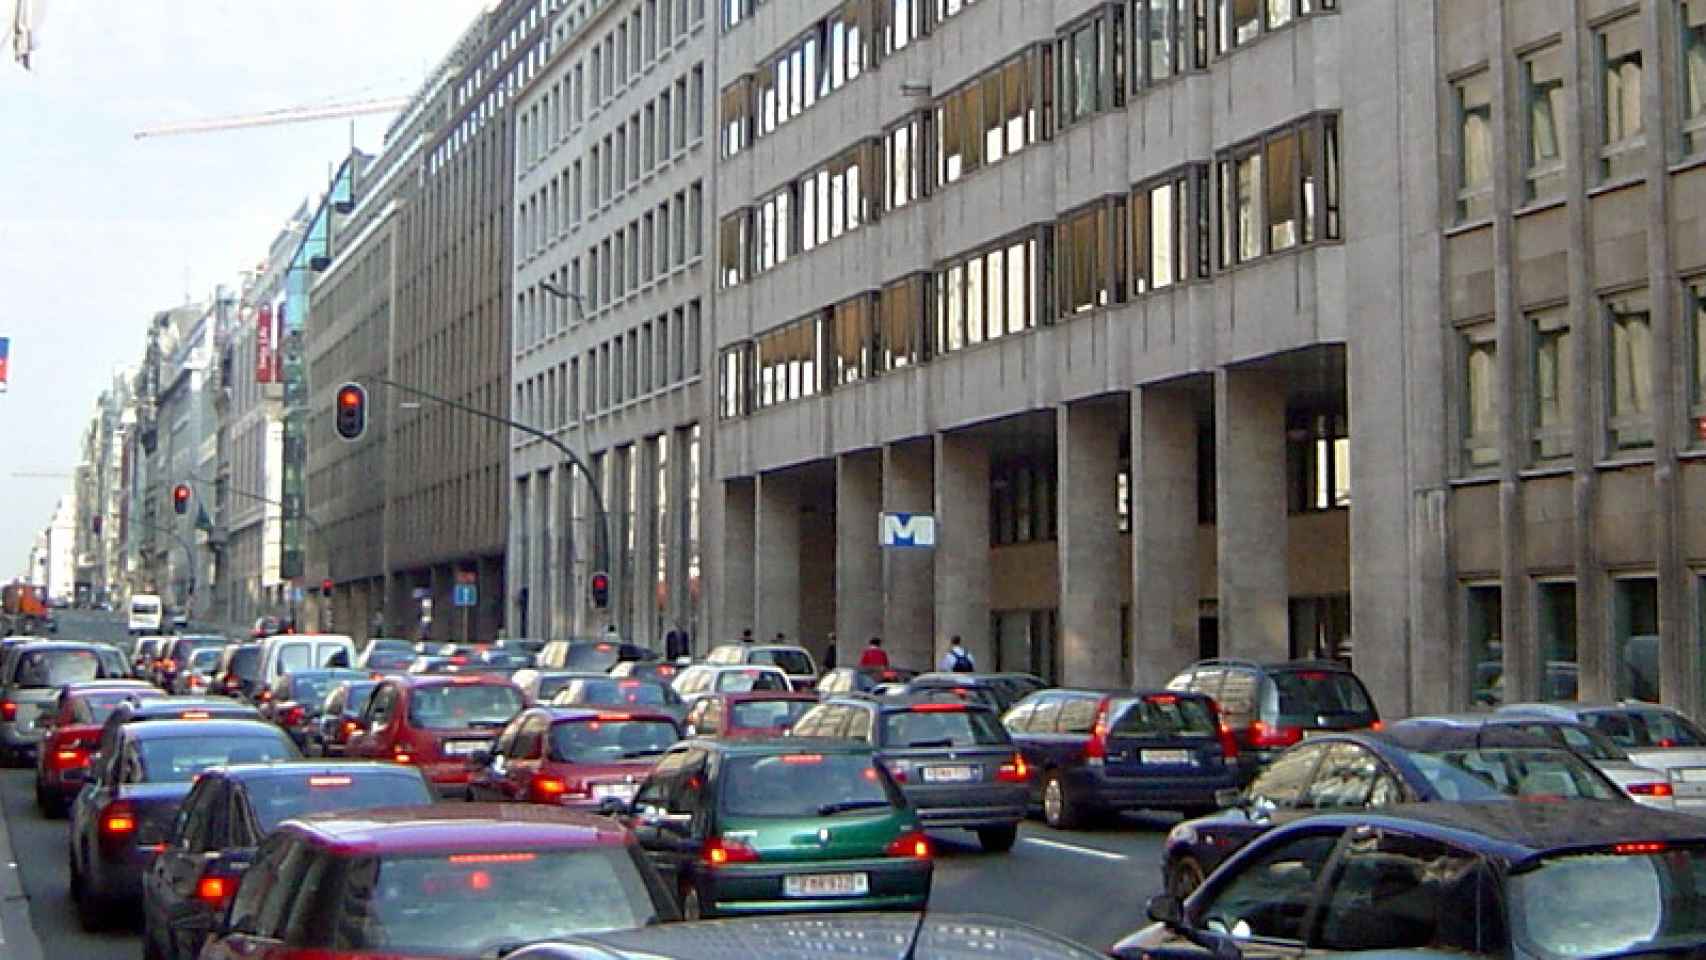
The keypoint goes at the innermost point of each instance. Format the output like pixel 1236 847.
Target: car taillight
pixel 118 820
pixel 8 710
pixel 1264 735
pixel 720 851
pixel 69 758
pixel 293 716
pixel 552 789
pixel 914 844
pixel 402 755
pixel 264 696
pixel 1096 750
pixel 1377 726
pixel 350 727
pixel 215 890
pixel 168 665
pixel 1013 771
pixel 1655 789
pixel 1641 848
pixel 1228 743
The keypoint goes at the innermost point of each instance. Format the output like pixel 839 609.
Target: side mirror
pixel 1167 909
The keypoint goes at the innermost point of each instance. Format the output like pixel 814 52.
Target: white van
pixel 145 611
pixel 289 652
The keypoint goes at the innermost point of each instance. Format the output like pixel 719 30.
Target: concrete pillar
pixel 1087 453
pixel 858 560
pixel 962 546
pixel 644 628
pixel 909 584
pixel 1166 594
pixel 735 583
pixel 777 563
pixel 1251 523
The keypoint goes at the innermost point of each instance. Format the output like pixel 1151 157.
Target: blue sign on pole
pixel 465 595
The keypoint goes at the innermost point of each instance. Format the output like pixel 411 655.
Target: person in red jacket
pixel 874 655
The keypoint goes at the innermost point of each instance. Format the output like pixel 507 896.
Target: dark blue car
pixel 1404 764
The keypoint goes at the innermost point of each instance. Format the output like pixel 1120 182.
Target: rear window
pixel 390 659
pixel 55 668
pixel 1647 729
pixel 276 799
pixel 167 760
pixel 1461 775
pixel 190 644
pixel 295 656
pixel 767 714
pixel 551 686
pixel 942 728
pixel 804 785
pixel 745 681
pixel 246 662
pixel 606 741
pixel 791 661
pixel 1165 716
pixel 144 606
pixel 91 708
pixel 1319 696
pixel 313 689
pixel 593 657
pixel 471 904
pixel 205 658
pixel 617 693
pixel 454 705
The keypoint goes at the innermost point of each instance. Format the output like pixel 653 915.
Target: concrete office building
pixel 611 290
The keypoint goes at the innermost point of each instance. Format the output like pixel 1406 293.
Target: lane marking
pixel 1075 848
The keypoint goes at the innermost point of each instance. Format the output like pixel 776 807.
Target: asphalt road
pixel 1089 885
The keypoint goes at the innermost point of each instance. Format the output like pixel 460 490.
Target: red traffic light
pixel 326 587
pixel 351 414
pixel 599 586
pixel 181 498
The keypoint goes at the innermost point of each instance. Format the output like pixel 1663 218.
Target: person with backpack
pixel 958 659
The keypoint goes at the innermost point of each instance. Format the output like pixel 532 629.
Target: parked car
pixel 1094 752
pixel 72 731
pixel 462 881
pixel 747 715
pixel 1656 737
pixel 222 821
pixel 703 678
pixel 794 661
pixel 998 691
pixel 296 697
pixel 572 757
pixel 781 826
pixel 196 676
pixel 1269 707
pixel 126 811
pixel 860 679
pixel 597 656
pixel 436 723
pixel 176 655
pixel 539 686
pixel 1643 785
pixel 338 718
pixel 953 759
pixel 239 672
pixel 1418 764
pixel 30 677
pixel 618 694
pixel 1552 880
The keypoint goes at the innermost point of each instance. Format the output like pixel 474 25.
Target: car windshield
pixel 1464 775
pixel 1310 697
pixel 174 759
pixel 792 662
pixel 204 659
pixel 452 705
pixel 1645 900
pixel 276 799
pixel 605 741
pixel 927 727
pixel 622 693
pixel 746 681
pixel 1648 729
pixel 767 714
pixel 803 785
pixel 471 904
pixel 246 662
pixel 1165 716
pixel 55 668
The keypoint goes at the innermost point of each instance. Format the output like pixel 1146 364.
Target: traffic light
pixel 600 586
pixel 326 587
pixel 181 499
pixel 352 411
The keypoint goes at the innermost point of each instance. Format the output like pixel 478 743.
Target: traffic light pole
pixel 314 525
pixel 189 549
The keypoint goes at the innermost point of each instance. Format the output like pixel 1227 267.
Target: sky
pixel 98 230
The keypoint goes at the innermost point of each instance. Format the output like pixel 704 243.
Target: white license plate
pixel 1174 757
pixel 463 748
pixel 622 791
pixel 1691 774
pixel 826 885
pixel 961 774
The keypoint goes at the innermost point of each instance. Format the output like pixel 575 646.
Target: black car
pixel 1541 880
pixel 239 672
pixel 1407 764
pixel 1094 752
pixel 176 656
pixel 339 716
pixel 1271 706
pixel 594 655
pixel 953 759
pixel 224 818
pixel 998 691
pixel 127 808
pixel 296 697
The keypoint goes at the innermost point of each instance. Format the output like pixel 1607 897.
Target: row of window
pixel 491 106
pixel 654 355
pixel 910 14
pixel 828 56
pixel 1611 99
pixel 1552 390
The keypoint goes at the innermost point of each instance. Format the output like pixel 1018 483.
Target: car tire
pixel 51 807
pixel 1184 876
pixel 997 839
pixel 93 914
pixel 691 909
pixel 1061 810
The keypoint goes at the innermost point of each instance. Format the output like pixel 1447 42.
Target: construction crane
pixel 329 111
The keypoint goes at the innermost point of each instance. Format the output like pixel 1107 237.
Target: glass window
pixel 1248 174
pixel 1283 781
pixel 1270 897
pixel 1345 778
pixel 1474 147
pixel 1480 397
pixel 736 107
pixel 852 334
pixel 1621 123
pixel 1554 391
pixel 1397 892
pixel 1629 352
pixel 900 319
pixel 1693 51
pixel 1545 116
pixel 1280 203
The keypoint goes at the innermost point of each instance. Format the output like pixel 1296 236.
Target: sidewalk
pixel 17 935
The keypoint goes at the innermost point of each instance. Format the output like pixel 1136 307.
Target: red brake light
pixel 480 880
pixel 1163 699
pixel 603 648
pixel 720 851
pixel 1263 735
pixel 1667 743
pixel 550 787
pixel 491 857
pixel 1655 789
pixel 214 891
pixel 118 820
pixel 168 665
pixel 458 661
pixel 403 756
pixel 195 715
pixel 1228 742
pixel 1014 771
pixel 615 716
pixel 64 759
pixel 1637 849
pixel 8 710
pixel 1096 750
pixel 914 844
pixel 939 708
pixel 293 716
pixel 1377 726
pixel 330 781
pixel 350 727
pixel 629 684
pixel 803 758
pixel 1312 675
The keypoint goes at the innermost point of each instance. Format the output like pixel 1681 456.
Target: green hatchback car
pixel 780 826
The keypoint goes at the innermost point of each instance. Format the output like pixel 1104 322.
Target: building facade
pixel 612 293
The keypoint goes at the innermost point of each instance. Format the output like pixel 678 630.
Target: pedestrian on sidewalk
pixel 957 659
pixel 874 655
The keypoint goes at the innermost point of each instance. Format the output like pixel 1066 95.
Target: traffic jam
pixel 300 796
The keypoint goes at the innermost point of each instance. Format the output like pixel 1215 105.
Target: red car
pixel 436 722
pixel 74 732
pixel 437 882
pixel 767 713
pixel 577 757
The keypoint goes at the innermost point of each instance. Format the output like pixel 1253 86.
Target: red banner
pixel 264 350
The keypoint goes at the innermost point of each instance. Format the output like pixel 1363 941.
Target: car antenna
pixel 917 932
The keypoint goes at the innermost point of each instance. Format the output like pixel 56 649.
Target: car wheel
pixel 1060 810
pixel 93 915
pixel 690 908
pixel 997 839
pixel 1184 877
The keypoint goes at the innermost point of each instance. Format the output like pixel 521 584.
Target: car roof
pixel 455 828
pixel 1525 831
pixel 169 704
pixel 113 685
pixel 347 673
pixel 32 645
pixel 1425 734
pixel 195 729
pixel 279 769
pixel 450 679
pixel 1579 707
pixel 778 746
pixel 566 714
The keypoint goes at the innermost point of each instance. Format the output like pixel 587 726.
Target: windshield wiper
pixel 844 806
pixel 636 754
pixel 943 742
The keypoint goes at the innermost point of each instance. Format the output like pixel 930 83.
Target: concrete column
pixel 1166 595
pixel 1251 523
pixel 962 546
pixel 909 584
pixel 644 628
pixel 777 558
pixel 1087 452
pixel 735 583
pixel 858 560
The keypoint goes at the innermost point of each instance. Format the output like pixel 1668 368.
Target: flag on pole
pixel 5 361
